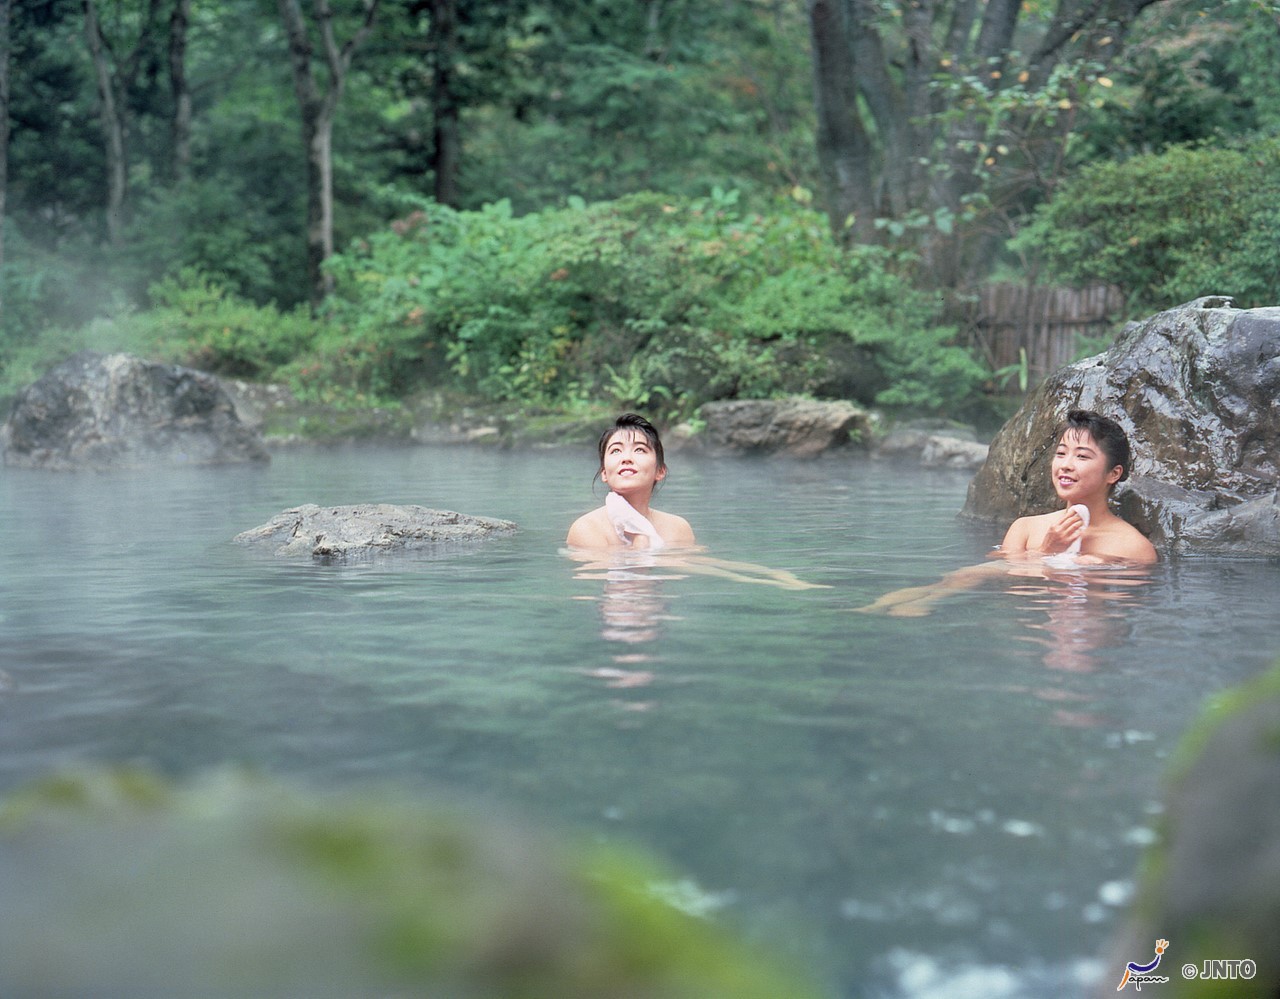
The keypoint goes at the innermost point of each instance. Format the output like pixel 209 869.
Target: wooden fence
pixel 1046 322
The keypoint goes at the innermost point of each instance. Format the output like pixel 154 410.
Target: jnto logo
pixel 1140 974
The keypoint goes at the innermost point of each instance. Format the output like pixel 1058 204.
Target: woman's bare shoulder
pixel 675 530
pixel 1124 541
pixel 592 530
pixel 1023 531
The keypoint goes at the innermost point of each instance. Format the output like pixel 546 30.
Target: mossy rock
pixel 1211 885
pixel 119 883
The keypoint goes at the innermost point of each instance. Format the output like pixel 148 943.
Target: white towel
pixel 628 521
pixel 1083 511
pixel 1067 559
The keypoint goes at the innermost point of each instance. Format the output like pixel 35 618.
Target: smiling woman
pixel 1092 456
pixel 631 465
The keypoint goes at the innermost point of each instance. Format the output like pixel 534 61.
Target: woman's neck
pixel 640 504
pixel 1099 508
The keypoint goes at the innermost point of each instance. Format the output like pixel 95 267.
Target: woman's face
pixel 1080 468
pixel 630 464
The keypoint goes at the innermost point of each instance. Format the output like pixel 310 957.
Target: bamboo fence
pixel 1046 322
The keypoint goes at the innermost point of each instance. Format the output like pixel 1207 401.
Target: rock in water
pixel 1196 389
pixel 798 427
pixel 115 410
pixel 338 533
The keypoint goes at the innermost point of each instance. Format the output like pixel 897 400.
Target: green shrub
pixel 649 300
pixel 1169 228
pixel 195 322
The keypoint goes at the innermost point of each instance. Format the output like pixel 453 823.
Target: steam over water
pixel 951 805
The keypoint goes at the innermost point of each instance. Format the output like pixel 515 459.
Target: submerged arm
pixel 917 601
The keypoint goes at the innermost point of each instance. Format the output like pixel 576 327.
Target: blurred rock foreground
pixel 118 883
pixel 1211 885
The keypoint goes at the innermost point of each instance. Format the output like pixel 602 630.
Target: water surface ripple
pixel 950 805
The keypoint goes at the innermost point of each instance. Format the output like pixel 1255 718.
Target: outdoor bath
pixel 951 805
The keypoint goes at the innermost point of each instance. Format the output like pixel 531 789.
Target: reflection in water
pixel 1082 617
pixel 1074 614
pixel 631 603
pixel 633 606
pixel 632 609
pixel 1079 619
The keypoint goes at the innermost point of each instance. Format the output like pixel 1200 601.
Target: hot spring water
pixel 941 806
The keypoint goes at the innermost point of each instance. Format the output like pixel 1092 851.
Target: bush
pixel 1169 228
pixel 645 302
pixel 648 300
pixel 196 322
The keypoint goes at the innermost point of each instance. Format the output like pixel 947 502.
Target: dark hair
pixel 1106 433
pixel 636 424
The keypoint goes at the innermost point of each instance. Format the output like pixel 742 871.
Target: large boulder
pixel 1196 388
pixel 798 427
pixel 339 533
pixel 116 410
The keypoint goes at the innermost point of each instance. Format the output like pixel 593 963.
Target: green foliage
pixel 602 99
pixel 37 284
pixel 1009 139
pixel 216 229
pixel 1199 72
pixel 207 328
pixel 49 300
pixel 1171 227
pixel 650 300
pixel 193 321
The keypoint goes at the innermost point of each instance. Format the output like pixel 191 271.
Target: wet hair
pixel 1106 433
pixel 637 424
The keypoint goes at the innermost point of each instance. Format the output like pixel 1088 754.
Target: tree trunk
pixel 113 125
pixel 180 164
pixel 316 109
pixel 916 124
pixel 446 150
pixel 115 79
pixel 4 137
pixel 844 149
pixel 319 133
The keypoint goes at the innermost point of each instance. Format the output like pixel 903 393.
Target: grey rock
pixel 1196 388
pixel 254 400
pixel 116 410
pixel 340 533
pixel 798 427
pixel 933 450
pixel 1212 882
pixel 952 452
